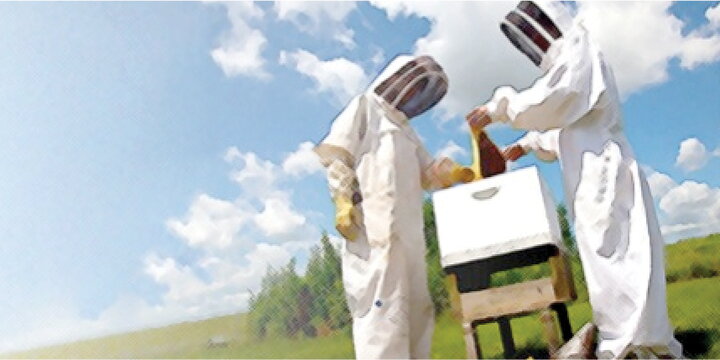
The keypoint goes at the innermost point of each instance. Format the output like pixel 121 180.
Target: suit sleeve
pixel 563 95
pixel 340 148
pixel 545 145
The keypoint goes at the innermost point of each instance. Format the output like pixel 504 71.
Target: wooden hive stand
pixel 476 303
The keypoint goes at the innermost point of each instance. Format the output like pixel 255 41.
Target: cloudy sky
pixel 156 157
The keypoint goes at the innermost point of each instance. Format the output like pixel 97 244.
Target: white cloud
pixel 685 210
pixel 303 161
pixel 271 227
pixel 256 176
pixel 699 50
pixel 660 184
pixel 703 44
pixel 265 196
pixel 183 286
pixel 319 18
pixel 60 322
pixel 340 77
pixel 713 16
pixel 228 278
pixel 278 219
pixel 240 49
pixel 378 58
pixel 260 170
pixel 266 255
pixel 210 222
pixel 230 245
pixel 232 154
pixel 690 209
pixel 692 155
pixel 466 40
pixel 641 55
pixel 451 150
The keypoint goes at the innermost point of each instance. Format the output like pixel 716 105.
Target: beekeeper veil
pixel 537 28
pixel 411 84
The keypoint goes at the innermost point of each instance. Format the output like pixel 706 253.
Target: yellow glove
pixel 446 173
pixel 462 174
pixel 347 218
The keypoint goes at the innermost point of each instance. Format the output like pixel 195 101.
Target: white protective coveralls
pixel 617 231
pixel 544 145
pixel 372 150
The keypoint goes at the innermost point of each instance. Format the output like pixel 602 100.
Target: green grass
pixel 694 307
pixel 694 258
pixel 168 342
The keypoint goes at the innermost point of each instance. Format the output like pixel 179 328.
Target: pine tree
pixel 566 230
pixel 435 273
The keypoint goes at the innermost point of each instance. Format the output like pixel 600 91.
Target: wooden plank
pixel 451 286
pixel 510 300
pixel 562 278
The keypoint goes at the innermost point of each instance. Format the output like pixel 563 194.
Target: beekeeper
pixel 377 169
pixel 617 232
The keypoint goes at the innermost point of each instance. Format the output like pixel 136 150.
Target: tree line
pixel 313 304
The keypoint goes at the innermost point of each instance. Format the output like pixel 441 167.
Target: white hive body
pixel 495 216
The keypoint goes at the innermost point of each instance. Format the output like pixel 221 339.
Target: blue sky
pixel 155 157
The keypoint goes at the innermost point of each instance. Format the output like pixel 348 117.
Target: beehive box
pixel 495 216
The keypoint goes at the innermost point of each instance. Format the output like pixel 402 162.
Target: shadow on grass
pixel 697 342
pixel 535 348
pixel 536 351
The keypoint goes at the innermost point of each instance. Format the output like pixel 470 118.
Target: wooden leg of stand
pixel 507 337
pixel 472 346
pixel 561 275
pixel 564 321
pixel 550 331
pixel 454 296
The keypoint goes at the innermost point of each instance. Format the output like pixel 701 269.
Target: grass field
pixel 693 300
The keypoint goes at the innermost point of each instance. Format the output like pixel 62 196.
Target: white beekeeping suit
pixel 617 232
pixel 377 170
pixel 544 145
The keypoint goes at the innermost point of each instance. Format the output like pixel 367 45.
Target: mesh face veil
pixel 416 87
pixel 533 28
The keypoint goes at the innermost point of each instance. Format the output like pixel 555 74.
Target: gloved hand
pixel 462 174
pixel 514 152
pixel 347 218
pixel 478 118
pixel 445 173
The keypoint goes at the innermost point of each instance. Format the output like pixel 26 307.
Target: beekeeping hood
pixel 411 84
pixel 536 29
